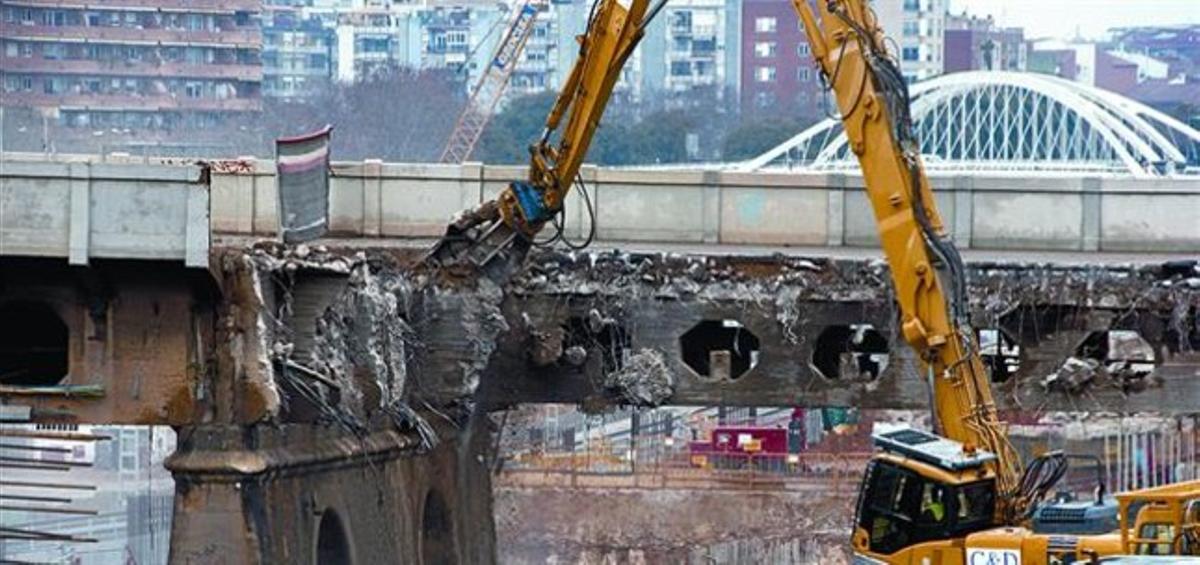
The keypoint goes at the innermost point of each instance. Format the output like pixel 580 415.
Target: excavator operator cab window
pixel 900 508
pixel 1191 528
pixel 1161 531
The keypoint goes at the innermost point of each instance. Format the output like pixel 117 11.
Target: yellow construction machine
pixel 495 237
pixel 963 495
pixel 1166 520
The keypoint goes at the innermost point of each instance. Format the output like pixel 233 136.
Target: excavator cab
pixel 1166 519
pixel 919 492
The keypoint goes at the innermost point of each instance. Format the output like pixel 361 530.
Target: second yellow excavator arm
pixel 927 271
pixel 495 236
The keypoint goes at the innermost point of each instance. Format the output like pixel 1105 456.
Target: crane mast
pixel 492 83
pixel 927 270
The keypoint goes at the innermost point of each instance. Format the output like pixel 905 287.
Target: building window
pixel 764 49
pixel 681 21
pixel 912 53
pixel 912 29
pixel 764 99
pixel 803 74
pixel 765 25
pixel 54 18
pixel 803 50
pixel 912 5
pixel 764 74
pixel 18 83
pixel 54 51
pixel 52 86
pixel 681 68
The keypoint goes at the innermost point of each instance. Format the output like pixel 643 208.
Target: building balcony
pixel 130 102
pixel 319 72
pixel 188 6
pixel 298 49
pixel 36 65
pixel 101 34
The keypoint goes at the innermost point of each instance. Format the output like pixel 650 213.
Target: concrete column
pixel 266 201
pixel 198 228
pixel 712 207
pixel 1090 230
pixel 835 217
pixel 372 198
pixel 472 175
pixel 80 236
pixel 232 203
pixel 964 210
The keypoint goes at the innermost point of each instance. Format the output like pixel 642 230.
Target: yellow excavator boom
pixel 927 271
pixel 495 237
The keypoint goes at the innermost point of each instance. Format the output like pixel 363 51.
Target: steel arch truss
pixel 998 122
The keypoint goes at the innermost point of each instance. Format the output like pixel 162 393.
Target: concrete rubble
pixel 644 380
pixel 350 335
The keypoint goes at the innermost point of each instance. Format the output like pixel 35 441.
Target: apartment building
pixel 538 67
pixel 777 69
pixel 132 65
pixel 460 37
pixel 973 44
pixel 695 44
pixel 918 29
pixel 299 51
pixel 1178 46
pixel 372 38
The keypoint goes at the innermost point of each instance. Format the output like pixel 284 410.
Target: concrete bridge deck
pixel 297 375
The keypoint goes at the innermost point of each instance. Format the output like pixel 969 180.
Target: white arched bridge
pixel 1006 122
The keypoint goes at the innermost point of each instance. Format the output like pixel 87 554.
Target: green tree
pixel 508 135
pixel 661 137
pixel 754 137
pixel 395 114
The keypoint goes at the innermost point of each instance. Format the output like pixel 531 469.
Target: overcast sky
pixel 1062 18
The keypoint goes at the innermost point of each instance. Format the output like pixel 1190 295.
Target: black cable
pixel 587 200
pixel 889 82
pixel 837 71
pixel 1040 476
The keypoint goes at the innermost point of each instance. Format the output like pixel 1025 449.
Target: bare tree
pixel 395 114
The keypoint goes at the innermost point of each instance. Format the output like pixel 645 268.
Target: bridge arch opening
pixel 854 352
pixel 333 545
pixel 33 344
pixel 720 349
pixel 437 532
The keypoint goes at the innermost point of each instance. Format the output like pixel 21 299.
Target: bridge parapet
pixel 393 200
pixel 371 199
pixel 82 210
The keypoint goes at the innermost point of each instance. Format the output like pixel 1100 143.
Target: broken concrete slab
pixel 780 330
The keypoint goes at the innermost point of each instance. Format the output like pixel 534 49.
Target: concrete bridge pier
pixel 308 494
